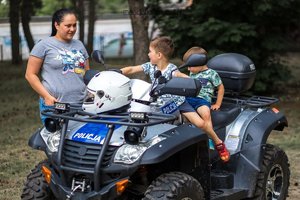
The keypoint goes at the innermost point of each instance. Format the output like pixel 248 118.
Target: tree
pixel 14 7
pixel 28 9
pixel 258 29
pixel 139 15
pixel 91 20
pixel 140 23
pixel 79 8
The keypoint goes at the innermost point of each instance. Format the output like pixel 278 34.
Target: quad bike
pixel 147 151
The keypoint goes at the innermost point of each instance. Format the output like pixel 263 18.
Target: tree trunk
pixel 26 12
pixel 81 19
pixel 139 22
pixel 14 7
pixel 92 18
pixel 79 9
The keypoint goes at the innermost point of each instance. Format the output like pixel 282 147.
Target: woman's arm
pixel 87 65
pixel 33 68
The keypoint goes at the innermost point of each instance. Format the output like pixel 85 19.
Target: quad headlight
pixel 51 139
pixel 128 154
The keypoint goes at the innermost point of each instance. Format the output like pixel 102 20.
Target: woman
pixel 62 62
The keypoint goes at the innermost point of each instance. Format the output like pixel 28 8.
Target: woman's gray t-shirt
pixel 63 68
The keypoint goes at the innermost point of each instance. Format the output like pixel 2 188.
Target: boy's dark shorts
pixel 197 102
pixel 186 107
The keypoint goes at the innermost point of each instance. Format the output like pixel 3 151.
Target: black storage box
pixel 236 70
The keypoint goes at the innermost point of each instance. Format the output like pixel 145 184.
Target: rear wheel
pixel 35 186
pixel 175 186
pixel 273 180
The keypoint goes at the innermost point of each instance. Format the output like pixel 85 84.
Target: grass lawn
pixel 19 118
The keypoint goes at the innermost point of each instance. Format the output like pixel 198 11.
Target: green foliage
pixel 257 29
pixel 112 6
pixel 271 77
pixel 49 6
pixel 4 9
pixel 103 6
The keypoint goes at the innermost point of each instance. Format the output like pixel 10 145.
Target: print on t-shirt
pixel 203 81
pixel 73 61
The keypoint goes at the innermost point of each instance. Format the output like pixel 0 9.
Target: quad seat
pixel 225 115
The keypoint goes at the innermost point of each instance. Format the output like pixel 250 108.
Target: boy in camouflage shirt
pixel 209 79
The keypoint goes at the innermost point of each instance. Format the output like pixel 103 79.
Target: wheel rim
pixel 274 183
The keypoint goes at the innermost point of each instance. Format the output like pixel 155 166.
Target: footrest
pixel 228 194
pixel 221 180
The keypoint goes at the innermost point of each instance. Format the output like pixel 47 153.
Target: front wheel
pixel 35 186
pixel 174 186
pixel 273 180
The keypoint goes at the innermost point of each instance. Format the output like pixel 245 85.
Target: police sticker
pixel 92 133
pixel 169 108
pixel 89 137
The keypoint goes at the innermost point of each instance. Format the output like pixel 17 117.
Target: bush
pixel 246 27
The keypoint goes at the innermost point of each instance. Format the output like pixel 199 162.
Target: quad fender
pixel 248 162
pixel 36 141
pixel 258 132
pixel 176 140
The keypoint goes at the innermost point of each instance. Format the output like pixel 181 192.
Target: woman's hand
pixel 50 100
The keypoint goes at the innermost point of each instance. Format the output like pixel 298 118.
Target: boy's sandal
pixel 223 152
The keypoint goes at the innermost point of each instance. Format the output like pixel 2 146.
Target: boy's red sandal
pixel 223 152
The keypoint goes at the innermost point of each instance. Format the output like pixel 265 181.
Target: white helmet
pixel 107 91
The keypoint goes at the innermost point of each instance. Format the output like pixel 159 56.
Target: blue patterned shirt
pixel 167 73
pixel 209 79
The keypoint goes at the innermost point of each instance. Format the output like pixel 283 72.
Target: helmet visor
pixel 89 98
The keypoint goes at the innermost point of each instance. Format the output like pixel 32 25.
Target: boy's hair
pixel 193 50
pixel 163 45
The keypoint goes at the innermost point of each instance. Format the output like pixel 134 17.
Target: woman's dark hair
pixel 58 18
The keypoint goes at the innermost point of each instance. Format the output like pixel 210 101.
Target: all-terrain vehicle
pixel 148 151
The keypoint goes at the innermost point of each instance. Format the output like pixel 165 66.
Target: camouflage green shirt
pixel 209 79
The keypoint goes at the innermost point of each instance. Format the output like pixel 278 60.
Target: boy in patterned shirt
pixel 209 79
pixel 160 50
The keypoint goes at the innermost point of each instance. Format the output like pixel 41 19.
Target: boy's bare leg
pixel 204 113
pixel 195 119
